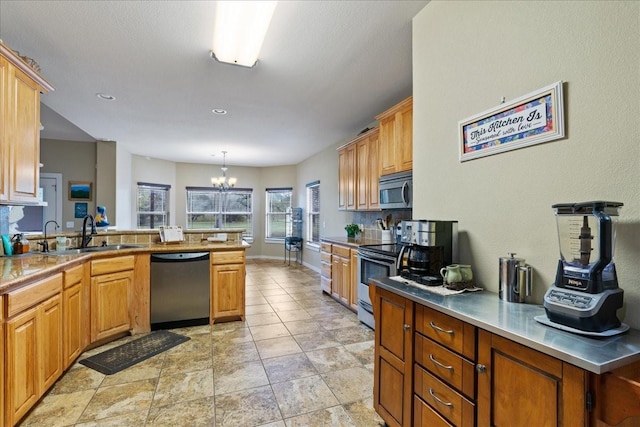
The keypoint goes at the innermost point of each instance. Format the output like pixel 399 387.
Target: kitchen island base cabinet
pixel 227 286
pixel 111 284
pixel 519 386
pixel 393 360
pixel 75 328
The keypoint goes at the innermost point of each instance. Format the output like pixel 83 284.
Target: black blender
pixel 585 296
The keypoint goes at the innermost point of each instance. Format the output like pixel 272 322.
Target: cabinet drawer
pixel 112 265
pixel 227 257
pixel 342 251
pixel 445 400
pixel 325 257
pixel 325 270
pixel 450 367
pixel 325 284
pixel 446 330
pixel 425 416
pixel 73 275
pixel 30 295
pixel 325 247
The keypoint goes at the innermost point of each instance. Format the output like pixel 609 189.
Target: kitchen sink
pixel 98 249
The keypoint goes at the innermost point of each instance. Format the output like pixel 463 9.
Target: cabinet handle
pixel 438 328
pixel 481 368
pixel 442 402
pixel 433 359
pixel 406 327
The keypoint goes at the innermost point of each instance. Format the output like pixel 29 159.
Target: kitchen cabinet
pixel 347 177
pixel 521 386
pixel 393 357
pixel 341 275
pixel 20 89
pixel 227 285
pixel 396 138
pixel 359 173
pixel 353 280
pixel 325 268
pixel 112 280
pixel 33 353
pixel 75 323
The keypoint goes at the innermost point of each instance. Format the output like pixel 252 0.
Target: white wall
pixel 154 171
pixel 469 54
pixel 123 190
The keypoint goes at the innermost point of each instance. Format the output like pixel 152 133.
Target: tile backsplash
pixel 369 221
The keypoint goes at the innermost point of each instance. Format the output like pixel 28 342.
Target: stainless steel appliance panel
pixel 396 191
pixel 378 262
pixel 179 286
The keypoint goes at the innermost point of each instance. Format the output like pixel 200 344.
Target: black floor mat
pixel 121 357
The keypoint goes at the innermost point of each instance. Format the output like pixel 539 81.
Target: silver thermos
pixel 515 279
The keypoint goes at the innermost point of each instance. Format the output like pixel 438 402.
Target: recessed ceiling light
pixel 106 96
pixel 219 111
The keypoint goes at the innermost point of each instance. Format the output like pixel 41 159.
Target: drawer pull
pixel 433 359
pixel 440 401
pixel 438 328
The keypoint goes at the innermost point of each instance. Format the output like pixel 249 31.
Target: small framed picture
pixel 80 210
pixel 80 190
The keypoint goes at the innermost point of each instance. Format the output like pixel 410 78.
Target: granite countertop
pixel 19 269
pixel 350 241
pixel 516 322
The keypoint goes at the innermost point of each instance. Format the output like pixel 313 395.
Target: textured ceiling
pixel 326 69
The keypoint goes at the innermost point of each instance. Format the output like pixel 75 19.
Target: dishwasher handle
pixel 180 257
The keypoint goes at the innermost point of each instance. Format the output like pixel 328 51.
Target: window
pixel 313 209
pixel 211 208
pixel 153 205
pixel 278 201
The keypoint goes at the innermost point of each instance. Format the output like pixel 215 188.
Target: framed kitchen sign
pixel 80 190
pixel 531 119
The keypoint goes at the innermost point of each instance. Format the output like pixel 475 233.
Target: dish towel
pixel 440 290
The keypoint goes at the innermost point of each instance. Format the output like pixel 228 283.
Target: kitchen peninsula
pixel 55 306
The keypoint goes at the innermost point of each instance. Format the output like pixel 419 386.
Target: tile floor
pixel 299 359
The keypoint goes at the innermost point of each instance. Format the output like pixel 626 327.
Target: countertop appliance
pixel 396 191
pixel 585 295
pixel 373 261
pixel 179 289
pixel 428 246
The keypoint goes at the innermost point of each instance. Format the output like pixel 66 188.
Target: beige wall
pixel 154 171
pixel 76 161
pixel 467 55
pixel 105 189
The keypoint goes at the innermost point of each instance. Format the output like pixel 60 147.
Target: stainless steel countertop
pixel 516 322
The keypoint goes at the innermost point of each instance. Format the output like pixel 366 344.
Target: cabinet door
pixel 73 325
pixel 227 291
pixel 393 357
pixel 336 277
pixel 5 136
pixel 110 304
pixel 21 364
pixel 353 291
pixel 373 172
pixel 345 280
pixel 388 145
pixel 404 139
pixel 522 387
pixel 50 342
pixel 362 174
pixel 24 149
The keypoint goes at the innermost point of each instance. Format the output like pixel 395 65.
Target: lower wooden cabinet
pixel 227 285
pixel 33 353
pixel 393 357
pixel 111 284
pixel 519 386
pixel 75 325
pixel 344 287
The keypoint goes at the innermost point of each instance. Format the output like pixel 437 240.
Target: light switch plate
pixel 70 224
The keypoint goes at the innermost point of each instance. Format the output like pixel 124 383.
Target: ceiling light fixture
pixel 223 183
pixel 240 28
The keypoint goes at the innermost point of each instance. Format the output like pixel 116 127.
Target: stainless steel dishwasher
pixel 179 289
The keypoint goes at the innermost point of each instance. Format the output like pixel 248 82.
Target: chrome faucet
pixel 86 239
pixel 45 243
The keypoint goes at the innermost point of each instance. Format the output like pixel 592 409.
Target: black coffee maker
pixel 428 246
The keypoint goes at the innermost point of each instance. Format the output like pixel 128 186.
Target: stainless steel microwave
pixel 396 191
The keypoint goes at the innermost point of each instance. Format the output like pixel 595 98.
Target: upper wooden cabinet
pixel 358 173
pixel 20 88
pixel 396 138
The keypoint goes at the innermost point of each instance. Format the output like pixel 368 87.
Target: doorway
pixel 51 184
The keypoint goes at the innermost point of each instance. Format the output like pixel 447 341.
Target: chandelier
pixel 223 183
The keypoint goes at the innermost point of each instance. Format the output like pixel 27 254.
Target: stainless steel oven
pixel 373 261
